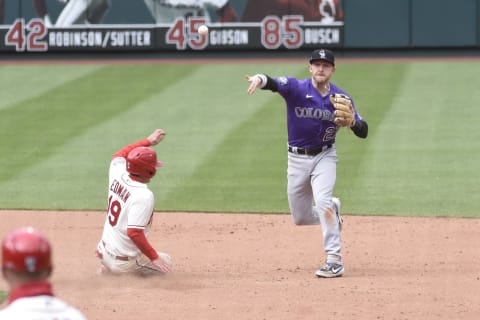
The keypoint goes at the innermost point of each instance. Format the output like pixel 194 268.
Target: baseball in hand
pixel 203 30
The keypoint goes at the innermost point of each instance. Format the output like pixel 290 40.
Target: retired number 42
pixel 27 36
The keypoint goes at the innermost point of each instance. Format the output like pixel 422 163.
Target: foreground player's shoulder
pixel 33 307
pixel 69 312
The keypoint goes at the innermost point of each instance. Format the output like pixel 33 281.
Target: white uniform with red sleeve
pixel 130 206
pixel 36 301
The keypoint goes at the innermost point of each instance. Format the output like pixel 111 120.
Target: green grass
pixel 423 156
pixel 3 296
pixel 225 150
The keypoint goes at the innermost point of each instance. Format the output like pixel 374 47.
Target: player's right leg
pixel 114 264
pixel 299 190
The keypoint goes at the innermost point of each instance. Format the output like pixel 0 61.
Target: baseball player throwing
pixel 26 267
pixel 316 110
pixel 124 247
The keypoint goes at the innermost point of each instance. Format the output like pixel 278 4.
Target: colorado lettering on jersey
pixel 120 190
pixel 312 113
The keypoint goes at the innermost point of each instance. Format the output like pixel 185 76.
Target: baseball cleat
pixel 330 270
pixel 336 206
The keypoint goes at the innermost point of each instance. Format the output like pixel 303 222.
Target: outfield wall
pixel 393 24
pixel 239 25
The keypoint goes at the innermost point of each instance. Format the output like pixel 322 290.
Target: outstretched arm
pixel 153 139
pixel 156 137
pixel 261 81
pixel 138 237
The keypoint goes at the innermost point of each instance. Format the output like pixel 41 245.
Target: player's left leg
pixel 323 184
pixel 74 12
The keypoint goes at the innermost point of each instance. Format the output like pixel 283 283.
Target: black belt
pixel 308 152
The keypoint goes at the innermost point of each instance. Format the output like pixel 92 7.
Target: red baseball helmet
pixel 26 250
pixel 142 161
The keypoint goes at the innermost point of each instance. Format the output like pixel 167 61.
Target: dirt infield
pixel 248 266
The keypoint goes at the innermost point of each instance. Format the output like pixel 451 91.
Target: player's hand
pixel 255 82
pixel 162 265
pixel 156 136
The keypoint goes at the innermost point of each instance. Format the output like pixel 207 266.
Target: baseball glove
pixel 344 116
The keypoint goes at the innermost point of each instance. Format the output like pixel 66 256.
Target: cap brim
pixel 313 60
pixel 159 164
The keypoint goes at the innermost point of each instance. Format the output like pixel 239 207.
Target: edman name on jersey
pixel 119 189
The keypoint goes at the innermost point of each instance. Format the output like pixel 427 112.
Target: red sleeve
pixel 138 237
pixel 125 150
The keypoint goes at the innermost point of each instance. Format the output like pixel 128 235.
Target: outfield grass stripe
pixel 20 83
pixel 49 122
pixel 246 172
pixel 425 157
pixel 221 106
pixel 196 117
pixel 244 168
pixel 374 88
pixel 224 150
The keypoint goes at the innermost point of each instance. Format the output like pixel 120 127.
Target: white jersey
pixel 40 308
pixel 130 205
pixel 166 11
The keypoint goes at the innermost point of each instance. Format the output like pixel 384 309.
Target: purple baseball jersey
pixel 309 115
